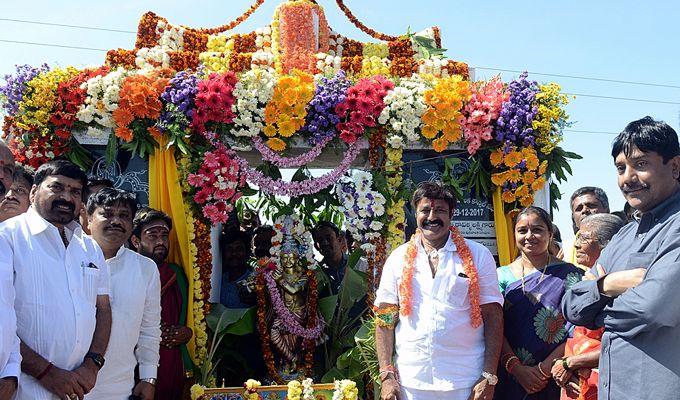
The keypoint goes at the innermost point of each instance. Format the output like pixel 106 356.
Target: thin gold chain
pixel 521 262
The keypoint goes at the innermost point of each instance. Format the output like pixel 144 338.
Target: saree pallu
pixel 534 325
pixel 584 341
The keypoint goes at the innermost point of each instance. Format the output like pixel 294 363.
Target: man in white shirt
pixel 10 358
pixel 439 310
pixel 62 289
pixel 135 300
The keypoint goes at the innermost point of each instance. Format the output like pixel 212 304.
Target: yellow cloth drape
pixel 165 194
pixel 505 237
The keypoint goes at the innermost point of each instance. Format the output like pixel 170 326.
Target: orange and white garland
pixel 406 285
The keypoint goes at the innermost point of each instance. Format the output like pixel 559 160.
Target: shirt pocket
pixel 640 260
pixel 458 292
pixel 90 283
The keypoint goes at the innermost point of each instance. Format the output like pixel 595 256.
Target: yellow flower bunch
pixel 294 390
pixel 395 212
pixel 200 334
pixel 372 66
pixel 444 111
pixel 345 390
pixel 251 387
pixel 36 107
pixel 216 58
pixel 285 113
pixel 520 174
pixel 379 50
pixel 197 391
pixel 551 117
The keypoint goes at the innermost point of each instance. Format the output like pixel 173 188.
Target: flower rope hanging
pixel 233 24
pixel 280 187
pixel 370 32
pixel 290 162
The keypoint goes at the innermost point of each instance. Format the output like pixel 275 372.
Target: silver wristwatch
pixel 150 381
pixel 491 379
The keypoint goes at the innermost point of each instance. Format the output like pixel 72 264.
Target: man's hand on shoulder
pixel 616 283
pixel 8 386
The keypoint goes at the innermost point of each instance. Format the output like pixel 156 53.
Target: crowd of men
pixel 90 307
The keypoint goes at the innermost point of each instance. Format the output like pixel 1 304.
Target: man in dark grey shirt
pixel 637 294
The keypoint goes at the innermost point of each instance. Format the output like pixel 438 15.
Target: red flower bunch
pixel 361 107
pixel 38 151
pixel 217 183
pixel 214 100
pixel 139 99
pixel 70 96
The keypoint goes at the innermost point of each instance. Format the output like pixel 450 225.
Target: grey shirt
pixel 640 356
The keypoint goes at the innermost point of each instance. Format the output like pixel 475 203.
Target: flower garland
pixel 216 57
pixel 321 120
pixel 300 390
pixel 200 249
pixel 291 224
pixel 217 183
pixel 32 151
pixel 444 111
pixel 518 172
pixel 361 107
pixel 396 216
pixel 302 32
pixel 469 268
pixel 289 320
pixel 286 111
pixel 404 107
pixel 231 25
pixel 370 32
pixel 482 111
pixel 345 389
pixel 295 189
pixel 551 117
pixel 139 100
pixel 290 162
pixel 253 91
pixel 514 125
pixel 363 207
pixel 213 101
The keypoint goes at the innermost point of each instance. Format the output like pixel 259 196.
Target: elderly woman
pixel 582 353
pixel 535 330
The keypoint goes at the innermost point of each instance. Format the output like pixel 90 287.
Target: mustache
pixel 65 203
pixel 436 222
pixel 161 248
pixel 115 227
pixel 629 188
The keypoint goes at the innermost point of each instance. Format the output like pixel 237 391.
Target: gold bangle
pixel 507 362
pixel 546 376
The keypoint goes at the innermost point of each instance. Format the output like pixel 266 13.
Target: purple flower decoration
pixel 517 113
pixel 321 117
pixel 178 98
pixel 13 89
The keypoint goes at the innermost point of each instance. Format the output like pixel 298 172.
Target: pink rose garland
pixel 294 189
pixel 289 162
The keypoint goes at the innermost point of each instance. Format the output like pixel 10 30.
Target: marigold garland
pixel 299 35
pixel 374 34
pixel 469 268
pixel 231 25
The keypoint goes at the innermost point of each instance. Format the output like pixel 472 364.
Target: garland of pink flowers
pixel 290 162
pixel 280 187
pixel 288 318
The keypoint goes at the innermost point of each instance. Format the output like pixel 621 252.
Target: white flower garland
pixel 363 208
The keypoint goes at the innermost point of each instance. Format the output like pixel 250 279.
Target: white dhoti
pixel 415 394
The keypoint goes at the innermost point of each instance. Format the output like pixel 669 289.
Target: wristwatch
pixel 150 381
pixel 96 358
pixel 491 379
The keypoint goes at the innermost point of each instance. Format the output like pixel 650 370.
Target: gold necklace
pixel 521 262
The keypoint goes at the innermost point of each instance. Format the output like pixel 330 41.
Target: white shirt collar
pixel 38 224
pixel 448 246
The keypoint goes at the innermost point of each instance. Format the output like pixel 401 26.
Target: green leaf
pixel 111 149
pixel 237 321
pixel 327 307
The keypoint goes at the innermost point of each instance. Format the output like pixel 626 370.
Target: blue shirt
pixel 640 356
pixel 229 291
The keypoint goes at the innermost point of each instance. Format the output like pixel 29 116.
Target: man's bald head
pixel 6 168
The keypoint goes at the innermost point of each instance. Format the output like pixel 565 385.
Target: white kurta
pixel 436 346
pixel 135 331
pixel 56 291
pixel 10 358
